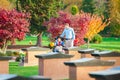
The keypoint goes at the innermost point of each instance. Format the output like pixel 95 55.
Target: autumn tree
pixel 13 25
pixel 96 24
pixel 78 22
pixel 41 10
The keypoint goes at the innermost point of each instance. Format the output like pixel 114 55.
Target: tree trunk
pixel 39 40
pixel 4 48
pixel 88 43
pixel 13 42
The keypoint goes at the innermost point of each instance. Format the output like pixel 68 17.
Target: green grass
pixel 14 68
pixel 45 41
pixel 107 44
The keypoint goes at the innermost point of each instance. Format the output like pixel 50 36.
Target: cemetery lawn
pixel 108 43
pixel 14 68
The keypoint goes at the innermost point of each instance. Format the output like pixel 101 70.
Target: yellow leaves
pixel 4 4
pixel 95 25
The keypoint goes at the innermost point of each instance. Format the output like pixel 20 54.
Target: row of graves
pixel 74 64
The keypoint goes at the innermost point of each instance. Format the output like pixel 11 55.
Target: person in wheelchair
pixel 59 44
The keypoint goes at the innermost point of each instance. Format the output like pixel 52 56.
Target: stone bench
pixel 4 64
pixel 109 74
pixel 52 65
pixel 108 55
pixel 16 77
pixel 85 52
pixel 79 69
pixel 30 59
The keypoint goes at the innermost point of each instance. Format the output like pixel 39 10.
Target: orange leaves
pixel 95 25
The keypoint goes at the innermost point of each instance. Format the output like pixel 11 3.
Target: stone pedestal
pixel 30 59
pixel 4 65
pixel 108 55
pixel 86 52
pixel 52 65
pixel 79 69
pixel 73 51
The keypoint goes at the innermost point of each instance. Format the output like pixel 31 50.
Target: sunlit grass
pixel 14 68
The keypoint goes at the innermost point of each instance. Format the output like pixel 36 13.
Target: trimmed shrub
pixel 97 39
pixel 74 10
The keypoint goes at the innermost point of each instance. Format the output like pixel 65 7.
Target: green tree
pixel 41 10
pixel 99 7
pixel 102 8
pixel 88 6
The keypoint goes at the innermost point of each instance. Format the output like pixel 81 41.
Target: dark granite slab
pixel 109 74
pixel 5 57
pixel 39 78
pixel 89 62
pixel 16 77
pixel 35 49
pixel 86 51
pixel 106 54
pixel 52 55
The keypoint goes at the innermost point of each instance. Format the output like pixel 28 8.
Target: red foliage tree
pixel 13 25
pixel 78 22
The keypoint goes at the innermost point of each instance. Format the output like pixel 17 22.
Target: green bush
pixel 74 10
pixel 97 39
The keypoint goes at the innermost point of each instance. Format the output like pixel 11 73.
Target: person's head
pixel 67 25
pixel 59 39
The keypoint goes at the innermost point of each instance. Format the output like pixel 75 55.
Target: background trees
pixel 88 6
pixel 41 10
pixel 115 17
pixel 4 4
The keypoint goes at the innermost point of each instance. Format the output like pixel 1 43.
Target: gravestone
pixel 30 52
pixel 4 64
pixel 85 52
pixel 79 69
pixel 108 74
pixel 73 51
pixel 108 55
pixel 52 65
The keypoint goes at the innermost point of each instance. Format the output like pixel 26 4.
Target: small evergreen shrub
pixel 97 39
pixel 74 10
